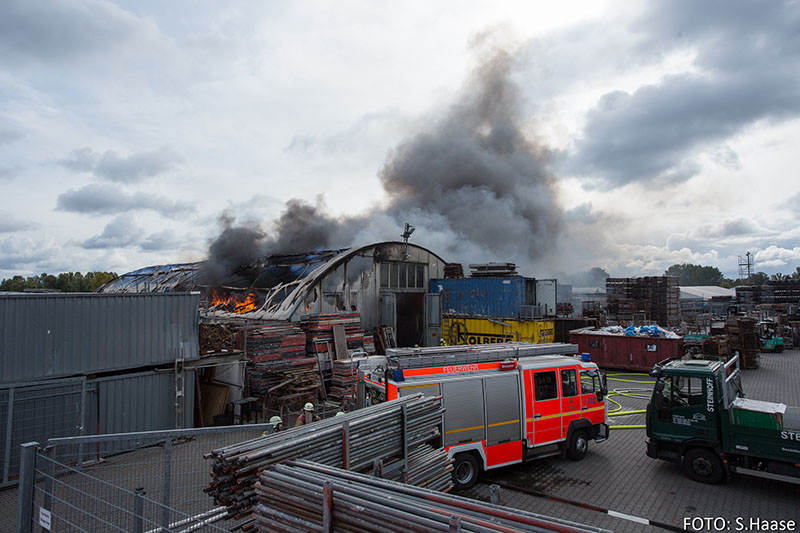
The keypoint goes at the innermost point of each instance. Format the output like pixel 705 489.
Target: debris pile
pixel 306 496
pixel 217 337
pixel 633 331
pixel 395 433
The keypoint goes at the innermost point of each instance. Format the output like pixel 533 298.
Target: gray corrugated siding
pixel 141 402
pixel 117 404
pixel 59 335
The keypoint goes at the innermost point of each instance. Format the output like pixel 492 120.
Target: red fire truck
pixel 504 403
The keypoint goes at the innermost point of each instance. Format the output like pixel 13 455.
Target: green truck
pixel 698 417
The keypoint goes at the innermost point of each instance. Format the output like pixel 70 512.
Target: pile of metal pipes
pixel 391 438
pixel 306 496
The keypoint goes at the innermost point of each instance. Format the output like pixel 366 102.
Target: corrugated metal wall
pixel 497 297
pixel 59 335
pixel 140 402
pixel 143 401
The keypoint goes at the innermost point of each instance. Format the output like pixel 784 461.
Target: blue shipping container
pixel 498 297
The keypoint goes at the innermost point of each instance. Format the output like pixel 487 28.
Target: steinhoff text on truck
pixel 504 403
pixel 698 416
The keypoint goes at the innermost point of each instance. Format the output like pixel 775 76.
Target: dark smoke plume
pixel 476 170
pixel 474 185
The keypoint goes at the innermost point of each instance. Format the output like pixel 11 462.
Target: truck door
pixel 570 399
pixel 502 409
pixel 546 407
pixel 682 409
pixel 463 411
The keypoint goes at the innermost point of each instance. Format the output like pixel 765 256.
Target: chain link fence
pixel 125 482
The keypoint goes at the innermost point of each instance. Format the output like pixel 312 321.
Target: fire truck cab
pixel 499 413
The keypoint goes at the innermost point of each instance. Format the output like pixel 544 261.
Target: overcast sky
pixel 559 135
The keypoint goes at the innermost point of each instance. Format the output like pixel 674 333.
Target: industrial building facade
pixel 84 364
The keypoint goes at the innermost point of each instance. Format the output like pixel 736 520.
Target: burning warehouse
pixel 386 283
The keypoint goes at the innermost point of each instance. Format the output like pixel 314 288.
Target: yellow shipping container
pixel 474 330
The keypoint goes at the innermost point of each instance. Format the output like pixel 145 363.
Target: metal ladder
pixel 470 354
pixel 180 396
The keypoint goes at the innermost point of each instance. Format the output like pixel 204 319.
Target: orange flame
pixel 231 302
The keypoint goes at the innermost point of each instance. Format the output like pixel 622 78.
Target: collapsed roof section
pixel 282 283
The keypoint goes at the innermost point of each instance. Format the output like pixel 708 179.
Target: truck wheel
pixel 578 445
pixel 779 348
pixel 703 465
pixel 465 471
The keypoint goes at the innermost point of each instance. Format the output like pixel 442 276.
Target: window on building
pixel 402 275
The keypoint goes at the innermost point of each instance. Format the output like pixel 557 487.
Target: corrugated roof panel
pixel 59 335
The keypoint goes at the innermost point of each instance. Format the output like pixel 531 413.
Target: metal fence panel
pixel 165 468
pixel 142 402
pixel 76 406
pixel 59 335
pixel 36 412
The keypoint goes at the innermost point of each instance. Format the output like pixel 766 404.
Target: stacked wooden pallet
pixel 343 380
pixel 321 344
pixel 743 338
pixel 273 350
pixel 716 348
pixel 656 296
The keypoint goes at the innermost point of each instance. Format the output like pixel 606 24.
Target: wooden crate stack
pixel 656 296
pixel 341 373
pixel 273 350
pixel 343 380
pixel 716 348
pixel 743 338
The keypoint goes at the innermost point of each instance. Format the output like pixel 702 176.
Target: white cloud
pixel 255 104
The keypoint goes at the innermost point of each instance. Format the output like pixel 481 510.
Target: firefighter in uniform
pixel 277 425
pixel 307 416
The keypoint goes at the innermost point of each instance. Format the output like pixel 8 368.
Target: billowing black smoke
pixel 477 172
pixel 472 183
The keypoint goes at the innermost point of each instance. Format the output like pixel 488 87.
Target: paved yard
pixel 617 475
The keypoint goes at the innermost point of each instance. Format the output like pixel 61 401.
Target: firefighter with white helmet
pixel 277 425
pixel 307 416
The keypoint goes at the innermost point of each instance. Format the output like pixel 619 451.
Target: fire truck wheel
pixel 703 465
pixel 465 471
pixel 578 445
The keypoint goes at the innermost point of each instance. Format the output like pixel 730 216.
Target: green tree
pixel 64 282
pixel 694 275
